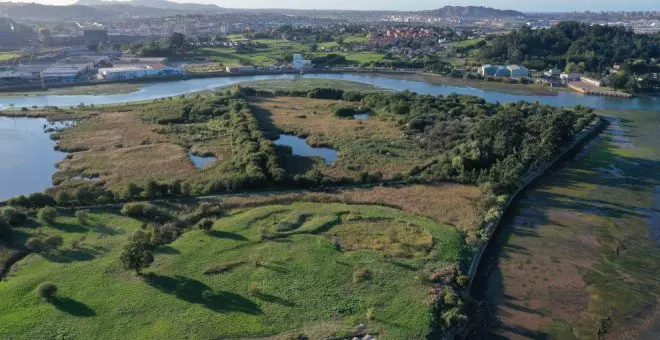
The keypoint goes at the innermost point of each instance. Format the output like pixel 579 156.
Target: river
pixel 174 88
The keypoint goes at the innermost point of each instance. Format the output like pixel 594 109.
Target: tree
pixel 132 190
pixel 138 253
pixel 62 198
pixel 572 68
pixel 47 215
pixel 46 291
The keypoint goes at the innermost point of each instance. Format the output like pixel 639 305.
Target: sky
pixel 524 6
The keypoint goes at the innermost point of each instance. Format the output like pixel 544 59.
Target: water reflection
pixel 300 147
pixel 201 161
pixel 27 155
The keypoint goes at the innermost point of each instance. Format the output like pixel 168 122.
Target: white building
pixel 299 63
pixel 139 71
pixel 518 71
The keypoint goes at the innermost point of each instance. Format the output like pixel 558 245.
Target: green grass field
pixel 297 283
pixel 5 56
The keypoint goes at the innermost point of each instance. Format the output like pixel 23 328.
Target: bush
pixel 46 291
pixel 5 228
pixel 361 275
pixel 82 216
pixel 205 224
pixel 47 215
pixel 52 242
pixel 13 216
pixel 34 244
pixel 139 210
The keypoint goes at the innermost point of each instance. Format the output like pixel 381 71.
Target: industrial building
pixel 94 36
pixel 509 71
pixel 238 69
pixel 139 71
pixel 62 74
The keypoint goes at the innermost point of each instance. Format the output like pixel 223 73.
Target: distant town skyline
pixel 527 6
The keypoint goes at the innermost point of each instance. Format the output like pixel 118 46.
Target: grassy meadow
pixel 283 270
pixel 579 256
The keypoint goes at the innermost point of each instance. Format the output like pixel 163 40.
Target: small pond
pixel 28 155
pixel 201 161
pixel 301 148
pixel 361 116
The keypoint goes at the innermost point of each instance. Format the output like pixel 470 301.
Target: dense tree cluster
pixel 480 142
pixel 580 47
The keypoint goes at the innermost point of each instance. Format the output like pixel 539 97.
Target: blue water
pixel 301 148
pixel 361 116
pixel 200 161
pixel 174 88
pixel 27 156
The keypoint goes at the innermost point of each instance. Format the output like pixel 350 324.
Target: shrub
pixel 139 210
pixel 47 215
pixel 370 314
pixel 34 244
pixel 46 291
pixel 82 216
pixel 463 281
pixel 361 275
pixel 13 216
pixel 52 242
pixel 205 224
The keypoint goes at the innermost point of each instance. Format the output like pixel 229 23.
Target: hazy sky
pixel 526 6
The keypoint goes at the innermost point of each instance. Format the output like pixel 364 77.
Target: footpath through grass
pixel 313 269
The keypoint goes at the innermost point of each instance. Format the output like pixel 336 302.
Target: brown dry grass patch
pixel 286 112
pixel 121 148
pixel 448 203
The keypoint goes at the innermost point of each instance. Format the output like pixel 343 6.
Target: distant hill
pixel 48 12
pixel 160 4
pixel 99 10
pixel 473 12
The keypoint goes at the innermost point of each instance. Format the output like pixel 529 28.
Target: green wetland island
pixel 319 208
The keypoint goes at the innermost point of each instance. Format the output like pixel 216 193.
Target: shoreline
pixel 430 78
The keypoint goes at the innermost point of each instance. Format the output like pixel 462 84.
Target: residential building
pixel 570 76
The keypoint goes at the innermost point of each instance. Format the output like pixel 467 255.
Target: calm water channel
pixel 27 158
pixel 300 147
